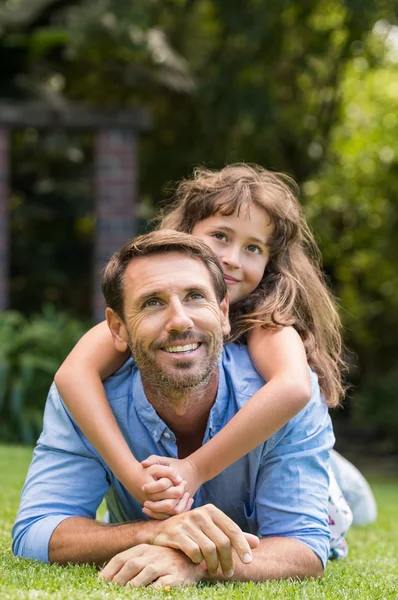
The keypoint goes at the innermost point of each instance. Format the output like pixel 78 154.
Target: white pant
pixel 355 488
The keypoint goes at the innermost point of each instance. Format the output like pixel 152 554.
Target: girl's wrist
pixel 130 476
pixel 200 472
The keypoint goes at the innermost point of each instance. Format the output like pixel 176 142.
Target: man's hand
pixel 206 533
pixel 144 565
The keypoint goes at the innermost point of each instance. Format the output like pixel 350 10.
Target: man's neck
pixel 186 412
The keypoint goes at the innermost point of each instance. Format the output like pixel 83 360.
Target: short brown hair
pixel 157 242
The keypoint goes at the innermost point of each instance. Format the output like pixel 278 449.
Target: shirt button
pixel 167 435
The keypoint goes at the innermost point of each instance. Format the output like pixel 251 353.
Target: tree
pixel 301 87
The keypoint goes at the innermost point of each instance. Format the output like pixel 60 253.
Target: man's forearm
pixel 82 540
pixel 275 558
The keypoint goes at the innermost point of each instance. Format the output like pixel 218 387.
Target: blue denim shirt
pixel 278 489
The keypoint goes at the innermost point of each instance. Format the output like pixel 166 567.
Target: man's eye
pixel 254 249
pixel 219 235
pixel 152 302
pixel 196 296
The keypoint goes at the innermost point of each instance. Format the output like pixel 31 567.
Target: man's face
pixel 174 323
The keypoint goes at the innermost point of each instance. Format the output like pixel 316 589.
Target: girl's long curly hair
pixel 292 290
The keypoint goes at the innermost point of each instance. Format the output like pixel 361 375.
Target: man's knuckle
pixel 196 556
pixel 224 546
pixel 208 547
pixel 151 570
pixel 233 529
pixel 131 562
pixel 118 561
pixel 199 517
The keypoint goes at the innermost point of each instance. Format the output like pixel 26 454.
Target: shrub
pixel 377 406
pixel 31 350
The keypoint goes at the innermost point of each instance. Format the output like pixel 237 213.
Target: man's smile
pixel 182 349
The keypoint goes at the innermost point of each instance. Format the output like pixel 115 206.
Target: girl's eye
pixel 254 249
pixel 219 235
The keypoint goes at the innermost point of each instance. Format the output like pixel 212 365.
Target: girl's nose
pixel 231 257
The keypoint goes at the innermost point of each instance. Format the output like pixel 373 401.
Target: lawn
pixel 369 573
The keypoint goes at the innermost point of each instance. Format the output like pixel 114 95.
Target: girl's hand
pixel 163 509
pixel 172 488
pixel 158 499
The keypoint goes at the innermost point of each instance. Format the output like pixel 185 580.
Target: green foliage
pixel 377 403
pixel 353 205
pixel 369 573
pixel 304 87
pixel 51 222
pixel 31 351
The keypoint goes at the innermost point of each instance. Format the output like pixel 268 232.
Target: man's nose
pixel 231 256
pixel 177 317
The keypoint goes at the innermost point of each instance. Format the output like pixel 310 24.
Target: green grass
pixel 370 572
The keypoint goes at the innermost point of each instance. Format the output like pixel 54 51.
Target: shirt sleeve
pixel 65 479
pixel 293 484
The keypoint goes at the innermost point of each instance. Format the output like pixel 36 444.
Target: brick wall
pixel 4 235
pixel 115 191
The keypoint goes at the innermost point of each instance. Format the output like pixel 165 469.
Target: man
pixel 166 290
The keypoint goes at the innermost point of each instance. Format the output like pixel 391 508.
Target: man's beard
pixel 178 379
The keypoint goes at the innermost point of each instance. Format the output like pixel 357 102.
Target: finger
pixel 165 583
pixel 174 491
pixel 253 540
pixel 155 515
pixel 168 503
pixel 191 549
pixel 223 547
pixel 113 567
pixel 147 575
pixel 155 460
pixel 235 534
pixel 165 506
pixel 182 542
pixel 159 471
pixel 155 487
pixel 131 569
pixel 184 505
pixel 209 551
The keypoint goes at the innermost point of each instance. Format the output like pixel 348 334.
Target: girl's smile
pixel 240 241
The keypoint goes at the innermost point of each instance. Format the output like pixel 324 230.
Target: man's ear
pixel 117 329
pixel 224 311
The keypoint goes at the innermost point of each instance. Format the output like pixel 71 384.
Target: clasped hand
pixel 172 486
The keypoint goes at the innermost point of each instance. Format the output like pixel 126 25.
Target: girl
pixel 280 307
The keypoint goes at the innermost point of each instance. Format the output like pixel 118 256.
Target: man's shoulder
pixel 236 360
pixel 241 375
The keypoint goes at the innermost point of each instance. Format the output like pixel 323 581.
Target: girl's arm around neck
pixel 79 381
pixel 279 357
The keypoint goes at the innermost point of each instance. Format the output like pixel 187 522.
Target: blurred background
pixel 308 88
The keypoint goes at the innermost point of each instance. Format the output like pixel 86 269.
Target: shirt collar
pixel 148 415
pixel 156 426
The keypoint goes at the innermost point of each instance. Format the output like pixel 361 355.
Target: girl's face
pixel 241 244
